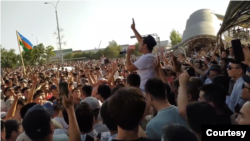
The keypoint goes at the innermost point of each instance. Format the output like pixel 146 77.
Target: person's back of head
pixel 200 113
pixel 155 88
pixel 104 91
pixel 87 90
pixel 127 107
pixel 25 108
pixel 134 80
pixel 221 80
pixel 12 129
pixel 37 124
pixel 215 94
pixel 193 91
pixel 176 132
pixel 107 118
pixel 84 117
pixel 115 89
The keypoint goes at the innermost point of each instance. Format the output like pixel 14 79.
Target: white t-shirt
pixel 146 70
pixel 62 122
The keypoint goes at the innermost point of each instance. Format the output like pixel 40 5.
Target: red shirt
pixel 48 96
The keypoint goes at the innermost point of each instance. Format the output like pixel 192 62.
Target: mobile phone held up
pixel 238 50
pixel 63 88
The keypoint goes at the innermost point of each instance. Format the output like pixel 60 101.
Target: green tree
pixel 175 37
pixel 68 56
pixel 38 55
pixel 112 50
pixel 49 52
pixel 9 59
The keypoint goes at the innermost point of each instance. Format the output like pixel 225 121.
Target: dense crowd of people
pixel 164 97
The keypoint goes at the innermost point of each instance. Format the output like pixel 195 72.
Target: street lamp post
pixel 36 38
pixel 156 36
pixel 58 30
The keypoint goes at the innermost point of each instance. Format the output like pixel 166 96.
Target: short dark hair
pixel 134 80
pixel 104 91
pixel 214 93
pixel 87 89
pixel 177 132
pixel 225 60
pixel 222 81
pixel 37 124
pixel 115 89
pixel 84 117
pixel 213 62
pixel 226 51
pixel 107 118
pixel 10 126
pixel 150 42
pixel 65 116
pixel 193 90
pixel 24 89
pixel 25 108
pixel 156 88
pixel 207 115
pixel 127 107
pixel 36 95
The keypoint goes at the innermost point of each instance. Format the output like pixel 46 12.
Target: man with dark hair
pixel 213 71
pixel 167 113
pixel 109 121
pixel 176 132
pixel 103 92
pixel 25 92
pixel 215 95
pixel 236 70
pixel 95 106
pixel 145 65
pixel 224 54
pixel 37 124
pixel 134 80
pixel 127 108
pixel 85 120
pixel 13 130
pixel 198 114
pixel 86 91
pixel 223 64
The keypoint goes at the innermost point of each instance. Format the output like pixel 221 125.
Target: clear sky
pixel 86 23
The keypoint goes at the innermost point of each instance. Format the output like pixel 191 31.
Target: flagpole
pixel 20 52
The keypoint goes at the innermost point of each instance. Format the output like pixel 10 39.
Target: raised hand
pixel 183 78
pixel 133 24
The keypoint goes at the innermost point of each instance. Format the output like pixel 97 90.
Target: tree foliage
pixel 175 37
pixel 38 55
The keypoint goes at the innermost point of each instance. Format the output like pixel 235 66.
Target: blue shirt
pixel 235 95
pixel 163 118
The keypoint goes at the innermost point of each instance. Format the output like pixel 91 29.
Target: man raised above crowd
pixel 146 63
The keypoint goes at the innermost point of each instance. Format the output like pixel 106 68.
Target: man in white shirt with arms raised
pixel 146 63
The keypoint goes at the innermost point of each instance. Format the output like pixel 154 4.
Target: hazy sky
pixel 86 23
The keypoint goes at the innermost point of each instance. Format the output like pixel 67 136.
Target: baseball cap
pixel 93 102
pixel 49 108
pixel 214 67
pixel 53 87
pixel 37 122
pixel 246 77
